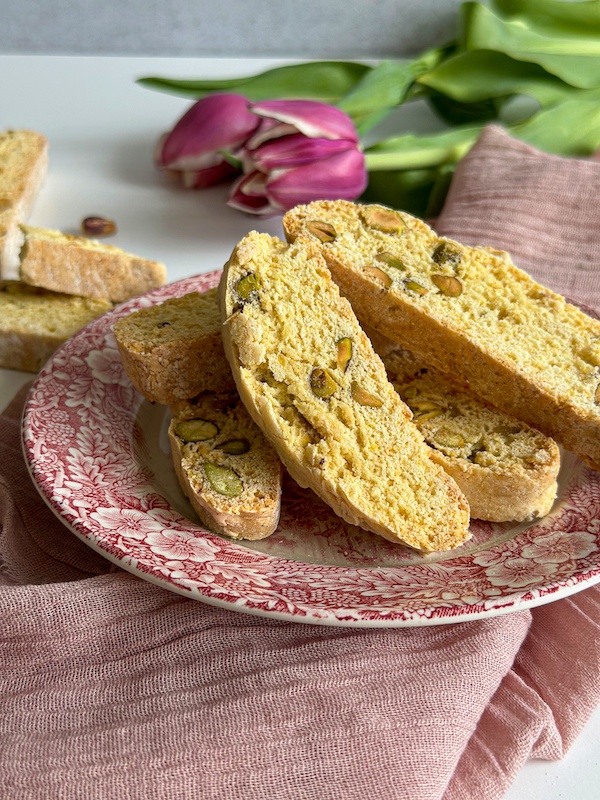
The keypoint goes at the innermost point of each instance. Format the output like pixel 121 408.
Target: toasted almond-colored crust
pixel 174 351
pixel 84 267
pixel 34 323
pixel 506 469
pixel 365 459
pixel 515 343
pixel 252 515
pixel 23 167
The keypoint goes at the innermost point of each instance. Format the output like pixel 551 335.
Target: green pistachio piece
pixel 364 398
pixel 322 230
pixel 391 260
pixel 196 430
pixel 321 383
pixel 344 352
pixel 235 447
pixel 448 438
pixel 223 480
pixel 427 415
pixel 383 219
pixel 379 275
pixel 445 253
pixel 448 285
pixel 415 287
pixel 424 405
pixel 247 285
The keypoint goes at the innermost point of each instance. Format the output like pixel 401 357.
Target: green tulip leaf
pixel 479 75
pixel 571 128
pixel 563 38
pixel 385 87
pixel 412 151
pixel 327 81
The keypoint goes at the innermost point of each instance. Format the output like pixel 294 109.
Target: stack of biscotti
pixel 310 379
pixel 94 276
pixel 173 354
pixel 468 312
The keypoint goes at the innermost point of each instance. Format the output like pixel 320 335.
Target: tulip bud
pixel 194 148
pixel 303 151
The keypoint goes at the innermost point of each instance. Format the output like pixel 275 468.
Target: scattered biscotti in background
pixel 93 274
pixel 77 265
pixel 35 322
pixel 173 351
pixel 310 379
pixel 468 312
pixel 506 469
pixel 23 167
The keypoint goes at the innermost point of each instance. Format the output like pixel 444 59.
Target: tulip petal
pixel 341 177
pixel 293 151
pixel 310 117
pixel 243 200
pixel 217 122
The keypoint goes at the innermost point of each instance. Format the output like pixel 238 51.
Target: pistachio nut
pixel 196 430
pixel 223 479
pixel 324 231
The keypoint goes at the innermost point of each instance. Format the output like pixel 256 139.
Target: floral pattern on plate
pixel 97 452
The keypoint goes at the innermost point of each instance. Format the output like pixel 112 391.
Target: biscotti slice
pixel 174 351
pixel 230 473
pixel 467 311
pixel 506 469
pixel 309 377
pixel 35 322
pixel 23 166
pixel 85 267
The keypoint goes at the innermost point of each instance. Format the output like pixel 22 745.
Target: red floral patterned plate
pixel 99 455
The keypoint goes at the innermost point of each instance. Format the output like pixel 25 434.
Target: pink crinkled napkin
pixel 113 687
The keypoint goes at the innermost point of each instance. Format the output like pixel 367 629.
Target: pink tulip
pixel 303 151
pixel 289 151
pixel 194 148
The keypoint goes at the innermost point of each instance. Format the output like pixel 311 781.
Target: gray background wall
pixel 277 28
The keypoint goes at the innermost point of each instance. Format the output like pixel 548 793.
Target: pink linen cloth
pixel 111 687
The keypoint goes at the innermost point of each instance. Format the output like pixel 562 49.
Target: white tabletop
pixel 102 128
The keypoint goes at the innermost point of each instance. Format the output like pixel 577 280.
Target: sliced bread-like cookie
pixel 23 167
pixel 173 351
pixel 311 380
pixel 506 469
pixel 35 322
pixel 229 472
pixel 468 312
pixel 76 265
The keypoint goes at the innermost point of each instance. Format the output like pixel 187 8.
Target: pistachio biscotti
pixel 506 469
pixel 229 472
pixel 35 322
pixel 311 380
pixel 76 265
pixel 23 166
pixel 173 351
pixel 468 312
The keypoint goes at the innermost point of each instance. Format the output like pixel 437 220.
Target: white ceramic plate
pixel 99 455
